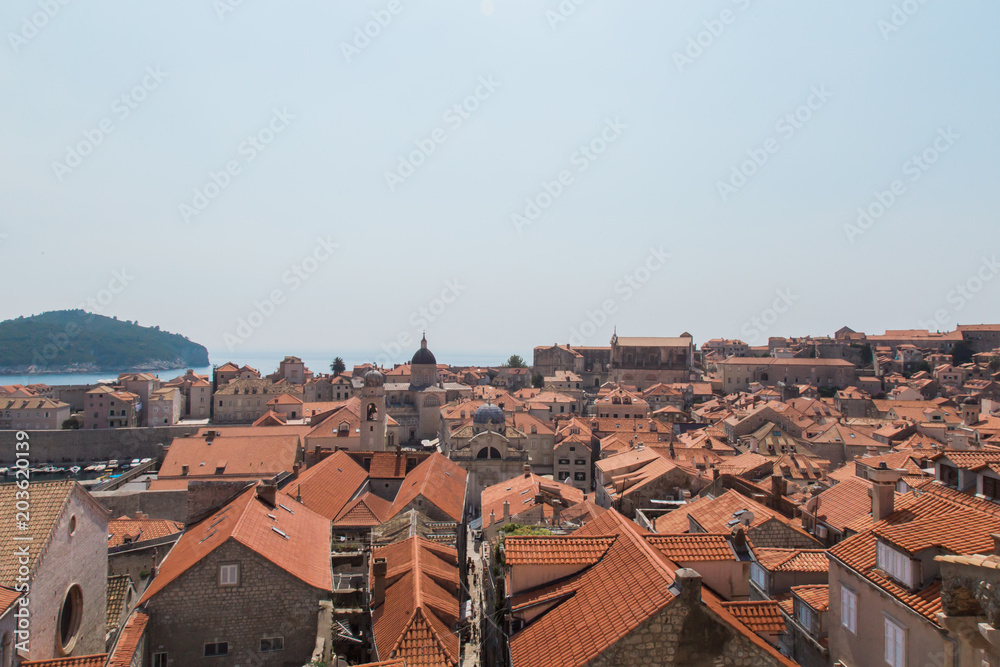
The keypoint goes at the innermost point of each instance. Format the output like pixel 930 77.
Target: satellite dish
pixel 747 518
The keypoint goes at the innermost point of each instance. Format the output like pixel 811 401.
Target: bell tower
pixel 373 415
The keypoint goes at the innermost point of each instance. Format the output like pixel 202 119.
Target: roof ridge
pixel 655 556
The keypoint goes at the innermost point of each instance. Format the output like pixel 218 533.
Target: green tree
pixel 537 381
pixel 338 366
pixel 961 353
pixel 515 361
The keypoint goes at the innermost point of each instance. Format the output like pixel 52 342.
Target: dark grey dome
pixel 423 355
pixel 374 378
pixel 488 414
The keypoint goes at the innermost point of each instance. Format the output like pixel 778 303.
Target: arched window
pixel 488 453
pixel 69 618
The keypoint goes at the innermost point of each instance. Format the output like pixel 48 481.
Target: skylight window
pixel 285 508
pixel 207 536
pixel 280 532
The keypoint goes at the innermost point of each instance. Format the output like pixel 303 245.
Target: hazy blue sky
pixel 198 80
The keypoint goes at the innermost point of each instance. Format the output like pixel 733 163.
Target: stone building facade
pixel 267 603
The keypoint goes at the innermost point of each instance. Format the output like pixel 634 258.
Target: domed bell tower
pixel 373 415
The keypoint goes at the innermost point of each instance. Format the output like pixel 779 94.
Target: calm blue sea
pixel 265 362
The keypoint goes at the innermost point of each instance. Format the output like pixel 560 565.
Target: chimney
pixel 493 517
pixel 295 470
pixel 539 499
pixel 140 516
pixel 777 488
pixel 671 452
pixel 715 473
pixel 527 470
pixel 739 541
pixel 266 492
pixel 883 490
pixel 506 511
pixel 184 470
pixel 379 569
pixel 689 582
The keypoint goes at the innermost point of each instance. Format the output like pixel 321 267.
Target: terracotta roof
pixel 421 603
pixel 520 493
pixel 843 503
pixel 117 591
pixel 140 530
pixel 934 500
pixel 96 660
pixel 792 560
pixel 713 514
pixel 389 465
pixel 296 540
pixel 128 640
pixel 960 532
pixel 816 596
pixel 440 481
pixel 365 511
pixel 524 550
pixel 8 596
pixel 627 585
pixel 329 486
pixel 263 454
pixel 969 459
pixel 47 502
pixel 694 547
pixel 763 617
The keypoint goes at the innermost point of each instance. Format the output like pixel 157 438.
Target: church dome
pixel 374 378
pixel 423 356
pixel 488 414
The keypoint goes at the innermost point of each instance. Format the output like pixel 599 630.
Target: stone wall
pixel 172 505
pixel 93 445
pixel 80 558
pixel 685 632
pixel 268 602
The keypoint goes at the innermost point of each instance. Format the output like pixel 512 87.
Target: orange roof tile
pixel 301 548
pixel 266 454
pixel 816 596
pixel 520 493
pixel 140 530
pixel 694 547
pixel 934 500
pixel 96 660
pixel 792 560
pixel 762 617
pixel 552 550
pixel 8 596
pixel 626 586
pixel 421 603
pixel 329 486
pixel 128 641
pixel 440 481
pixel 365 511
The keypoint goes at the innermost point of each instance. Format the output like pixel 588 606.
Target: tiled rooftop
pixel 760 616
pixel 694 547
pixel 816 596
pixel 523 550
